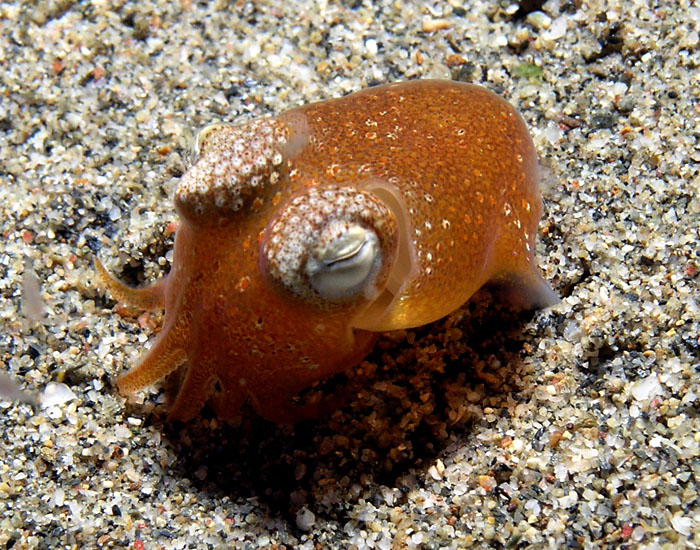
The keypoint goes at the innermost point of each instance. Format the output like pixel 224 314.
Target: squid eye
pixel 345 265
pixel 201 139
pixel 333 247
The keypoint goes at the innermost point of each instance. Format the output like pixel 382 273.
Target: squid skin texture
pixel 427 189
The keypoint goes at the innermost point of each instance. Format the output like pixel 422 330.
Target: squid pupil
pixel 346 255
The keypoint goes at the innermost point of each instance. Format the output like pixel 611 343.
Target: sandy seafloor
pixel 573 427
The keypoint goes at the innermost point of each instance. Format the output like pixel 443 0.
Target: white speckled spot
pixel 234 165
